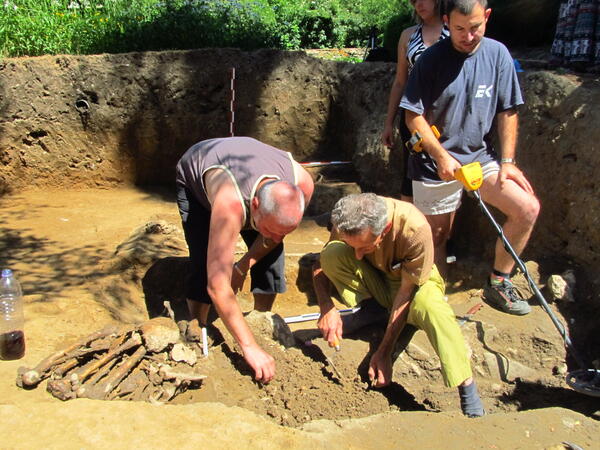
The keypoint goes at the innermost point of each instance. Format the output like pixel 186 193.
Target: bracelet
pixel 508 161
pixel 238 270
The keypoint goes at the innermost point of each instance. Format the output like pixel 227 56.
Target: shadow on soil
pixel 51 267
pixel 527 396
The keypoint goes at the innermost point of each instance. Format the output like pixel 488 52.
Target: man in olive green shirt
pixel 382 249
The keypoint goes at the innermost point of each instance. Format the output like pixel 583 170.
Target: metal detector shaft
pixel 557 323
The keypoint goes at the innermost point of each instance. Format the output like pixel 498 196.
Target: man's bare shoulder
pixel 219 184
pixel 305 181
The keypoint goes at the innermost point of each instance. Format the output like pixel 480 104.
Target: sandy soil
pixel 82 265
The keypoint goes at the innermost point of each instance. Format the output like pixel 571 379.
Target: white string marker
pixel 316 315
pixel 232 102
pixel 204 342
pixel 324 163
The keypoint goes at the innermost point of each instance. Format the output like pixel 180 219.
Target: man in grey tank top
pixel 463 85
pixel 231 186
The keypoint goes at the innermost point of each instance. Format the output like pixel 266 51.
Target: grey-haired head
pixel 356 213
pixel 282 201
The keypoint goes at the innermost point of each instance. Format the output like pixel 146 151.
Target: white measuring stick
pixel 232 102
pixel 204 342
pixel 315 316
pixel 324 163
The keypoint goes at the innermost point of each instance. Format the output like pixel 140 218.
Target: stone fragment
pixel 562 287
pixel 561 369
pixel 505 369
pixel 496 387
pixel 417 353
pixel 271 326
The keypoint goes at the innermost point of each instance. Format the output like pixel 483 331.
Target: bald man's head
pixel 277 209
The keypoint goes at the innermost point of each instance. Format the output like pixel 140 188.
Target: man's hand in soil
pixel 380 369
pixel 330 325
pixel 261 362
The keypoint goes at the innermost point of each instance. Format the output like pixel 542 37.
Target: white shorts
pixel 441 197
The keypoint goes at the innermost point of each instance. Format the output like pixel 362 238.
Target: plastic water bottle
pixel 12 338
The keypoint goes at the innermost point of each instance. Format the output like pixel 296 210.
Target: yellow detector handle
pixel 415 142
pixel 470 175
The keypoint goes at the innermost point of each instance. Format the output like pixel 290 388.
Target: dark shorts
pixel 267 275
pixel 406 188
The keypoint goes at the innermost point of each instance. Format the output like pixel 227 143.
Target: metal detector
pixel 586 381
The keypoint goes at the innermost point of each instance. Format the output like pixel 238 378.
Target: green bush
pixel 35 27
pixel 393 30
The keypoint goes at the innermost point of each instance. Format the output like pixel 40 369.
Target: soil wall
pixel 106 120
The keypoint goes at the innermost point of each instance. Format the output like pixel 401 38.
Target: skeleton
pixel 120 362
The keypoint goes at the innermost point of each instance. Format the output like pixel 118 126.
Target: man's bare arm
pixel 305 183
pixel 380 366
pixel 259 248
pixel 447 165
pixel 330 322
pixel 225 224
pixel 508 123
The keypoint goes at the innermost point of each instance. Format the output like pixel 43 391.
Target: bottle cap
pixel 6 273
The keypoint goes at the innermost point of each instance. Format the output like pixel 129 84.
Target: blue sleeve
pixel 509 91
pixel 413 98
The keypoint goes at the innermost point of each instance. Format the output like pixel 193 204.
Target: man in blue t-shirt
pixel 464 85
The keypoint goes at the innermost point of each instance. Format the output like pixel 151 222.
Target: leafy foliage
pixel 36 27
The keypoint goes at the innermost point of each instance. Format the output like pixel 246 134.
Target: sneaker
pixel 504 297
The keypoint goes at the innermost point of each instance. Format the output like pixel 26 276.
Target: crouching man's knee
pixel 336 254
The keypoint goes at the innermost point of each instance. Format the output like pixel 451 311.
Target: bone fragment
pixel 102 372
pixel 115 377
pixel 65 367
pixel 182 325
pixel 43 369
pixel 61 389
pixel 183 353
pixel 167 373
pixel 130 384
pixel 134 341
pixel 159 333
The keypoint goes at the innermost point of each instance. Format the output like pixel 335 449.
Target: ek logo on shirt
pixel 482 90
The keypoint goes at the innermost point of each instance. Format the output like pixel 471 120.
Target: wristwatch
pixel 507 161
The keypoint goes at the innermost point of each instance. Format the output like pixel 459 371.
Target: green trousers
pixel 357 280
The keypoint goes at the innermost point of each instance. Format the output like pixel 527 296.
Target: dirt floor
pixel 86 258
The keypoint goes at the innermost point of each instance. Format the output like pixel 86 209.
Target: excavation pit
pixel 78 133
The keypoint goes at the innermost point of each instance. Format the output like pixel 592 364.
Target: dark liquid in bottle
pixel 12 345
